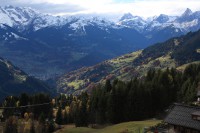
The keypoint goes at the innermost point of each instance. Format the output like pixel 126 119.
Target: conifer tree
pixel 108 86
pixel 59 116
pixel 81 117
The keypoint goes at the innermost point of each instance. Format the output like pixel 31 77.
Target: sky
pixel 144 8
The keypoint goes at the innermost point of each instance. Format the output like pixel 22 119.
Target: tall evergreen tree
pixel 23 101
pixel 59 116
pixel 108 86
pixel 81 119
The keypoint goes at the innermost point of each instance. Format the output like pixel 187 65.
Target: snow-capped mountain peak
pixel 77 23
pixel 162 18
pixel 22 17
pixel 186 22
pixel 187 16
pixel 129 16
pixel 26 19
pixel 187 12
pixel 14 16
pixel 131 21
pixel 126 16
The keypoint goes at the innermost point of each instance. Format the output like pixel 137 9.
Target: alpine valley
pixel 47 46
pixel 96 73
pixel 177 53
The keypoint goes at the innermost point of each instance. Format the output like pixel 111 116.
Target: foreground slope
pixel 13 81
pixel 119 128
pixel 176 52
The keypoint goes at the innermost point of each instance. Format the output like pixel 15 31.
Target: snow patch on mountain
pixel 187 25
pixel 131 21
pixel 5 19
pixel 2 26
pixel 17 37
pixel 13 16
pixel 22 18
pixel 45 20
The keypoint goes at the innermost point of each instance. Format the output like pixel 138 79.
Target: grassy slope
pixel 110 69
pixel 127 126
pixel 121 68
pixel 182 68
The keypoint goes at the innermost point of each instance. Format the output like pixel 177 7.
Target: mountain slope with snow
pixel 29 20
pixel 164 25
pixel 47 46
pixel 53 45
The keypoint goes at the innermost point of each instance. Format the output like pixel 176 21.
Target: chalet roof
pixel 181 115
pixel 196 113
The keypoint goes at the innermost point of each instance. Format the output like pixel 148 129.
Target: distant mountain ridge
pixel 47 46
pixel 26 17
pixel 187 21
pixel 176 52
pixel 55 45
pixel 163 25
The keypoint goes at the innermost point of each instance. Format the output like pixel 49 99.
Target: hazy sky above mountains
pixel 143 8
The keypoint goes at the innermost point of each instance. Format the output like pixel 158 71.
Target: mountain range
pixel 176 53
pixel 47 46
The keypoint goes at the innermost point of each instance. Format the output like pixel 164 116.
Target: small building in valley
pixel 184 119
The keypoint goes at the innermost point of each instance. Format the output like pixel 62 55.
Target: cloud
pixel 45 6
pixel 143 8
pixel 155 7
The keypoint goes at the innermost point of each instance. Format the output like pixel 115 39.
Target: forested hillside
pixel 112 102
pixel 174 53
pixel 14 81
pixel 138 99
